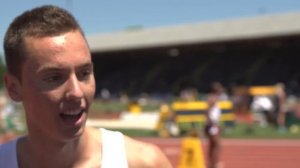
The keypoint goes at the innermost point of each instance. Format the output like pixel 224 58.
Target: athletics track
pixel 237 153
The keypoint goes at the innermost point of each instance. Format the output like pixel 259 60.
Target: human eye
pixel 53 78
pixel 84 74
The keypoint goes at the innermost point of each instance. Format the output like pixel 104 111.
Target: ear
pixel 13 87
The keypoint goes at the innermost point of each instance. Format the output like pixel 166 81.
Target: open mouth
pixel 72 117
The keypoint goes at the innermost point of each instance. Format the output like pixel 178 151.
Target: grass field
pixel 256 131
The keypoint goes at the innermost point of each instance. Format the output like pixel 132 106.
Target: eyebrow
pixel 51 67
pixel 86 65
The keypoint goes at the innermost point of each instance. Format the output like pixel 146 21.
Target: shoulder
pixel 145 155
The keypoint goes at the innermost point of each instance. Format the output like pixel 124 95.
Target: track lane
pixel 239 153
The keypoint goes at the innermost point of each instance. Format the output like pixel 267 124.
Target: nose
pixel 74 90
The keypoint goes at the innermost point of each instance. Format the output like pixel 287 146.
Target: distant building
pixel 260 50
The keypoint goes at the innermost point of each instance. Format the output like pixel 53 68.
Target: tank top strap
pixel 113 150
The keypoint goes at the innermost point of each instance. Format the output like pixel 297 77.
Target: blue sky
pixel 100 16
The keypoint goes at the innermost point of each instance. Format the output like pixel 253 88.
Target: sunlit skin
pixel 57 77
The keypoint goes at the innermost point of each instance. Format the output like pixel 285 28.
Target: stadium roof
pixel 265 26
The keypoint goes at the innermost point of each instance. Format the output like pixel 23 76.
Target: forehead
pixel 61 49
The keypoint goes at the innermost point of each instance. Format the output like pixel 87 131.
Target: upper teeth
pixel 72 112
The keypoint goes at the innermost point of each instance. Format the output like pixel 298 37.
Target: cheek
pixel 91 92
pixel 34 98
pixel 35 106
pixel 40 100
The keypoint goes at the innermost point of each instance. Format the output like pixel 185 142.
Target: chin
pixel 73 134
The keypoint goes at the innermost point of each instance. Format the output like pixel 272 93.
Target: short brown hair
pixel 42 21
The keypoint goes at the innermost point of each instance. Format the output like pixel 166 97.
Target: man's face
pixel 57 85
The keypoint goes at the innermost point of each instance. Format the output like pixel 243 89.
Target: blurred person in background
pixel 263 108
pixel 212 127
pixel 50 70
pixel 219 90
pixel 281 106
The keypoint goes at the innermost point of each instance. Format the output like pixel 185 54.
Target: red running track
pixel 237 153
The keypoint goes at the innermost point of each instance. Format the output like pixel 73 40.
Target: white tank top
pixel 113 151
